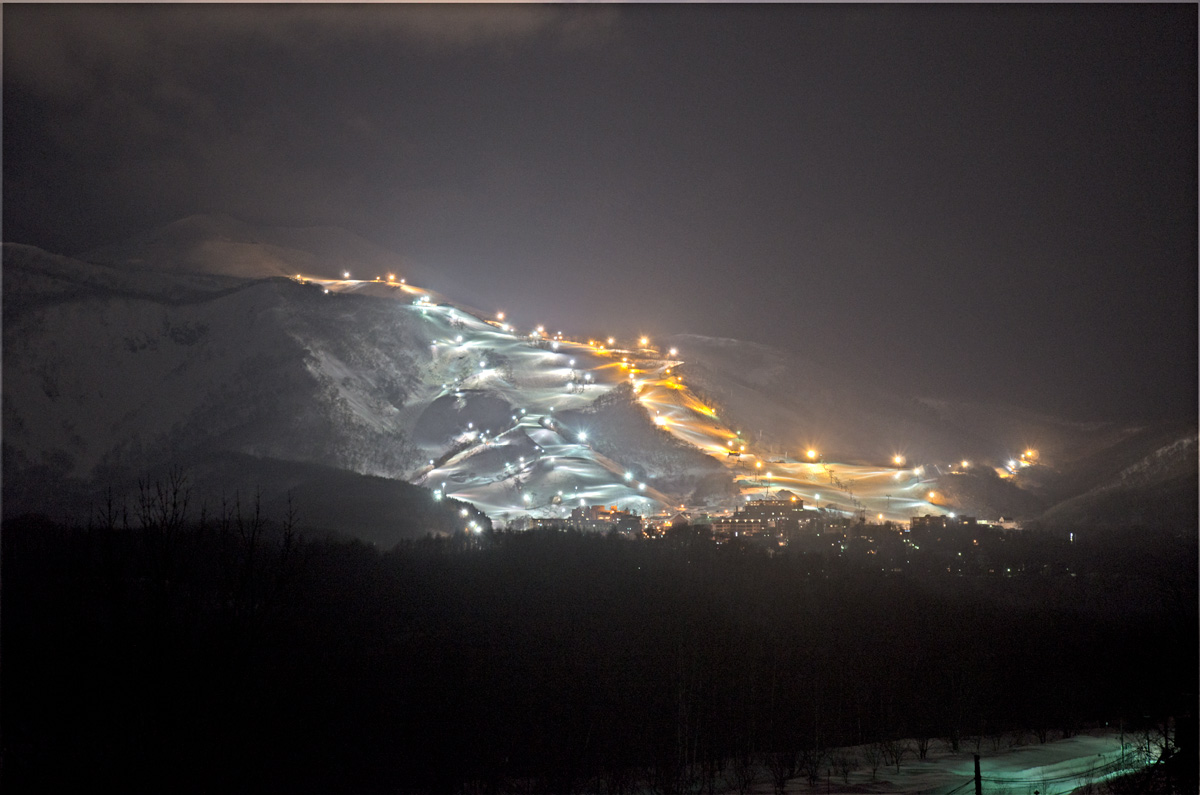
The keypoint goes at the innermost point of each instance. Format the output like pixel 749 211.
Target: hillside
pixel 1158 490
pixel 209 337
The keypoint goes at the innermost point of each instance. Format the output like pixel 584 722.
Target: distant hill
pixel 1158 490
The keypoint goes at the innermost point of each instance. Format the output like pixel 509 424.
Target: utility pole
pixel 978 779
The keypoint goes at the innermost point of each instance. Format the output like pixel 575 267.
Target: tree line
pixel 158 649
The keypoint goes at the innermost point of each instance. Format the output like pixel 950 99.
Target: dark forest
pixel 146 651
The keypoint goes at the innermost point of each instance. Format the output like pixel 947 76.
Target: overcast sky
pixel 995 203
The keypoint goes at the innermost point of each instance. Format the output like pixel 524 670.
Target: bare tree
pixel 843 764
pixel 894 752
pixel 742 772
pixel 873 756
pixel 782 767
pixel 810 762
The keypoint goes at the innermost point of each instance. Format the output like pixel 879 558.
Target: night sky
pixel 987 203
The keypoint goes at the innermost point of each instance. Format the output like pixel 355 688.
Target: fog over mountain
pixel 245 354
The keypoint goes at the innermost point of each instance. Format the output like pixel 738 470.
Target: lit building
pixel 931 522
pixel 759 517
pixel 599 518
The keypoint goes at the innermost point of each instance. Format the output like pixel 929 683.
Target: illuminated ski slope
pixel 881 493
pixel 532 463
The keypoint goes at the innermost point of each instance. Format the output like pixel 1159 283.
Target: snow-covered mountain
pixel 243 354
pixel 113 370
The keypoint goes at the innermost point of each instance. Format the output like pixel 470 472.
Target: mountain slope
pixel 209 337
pixel 1158 490
pixel 110 371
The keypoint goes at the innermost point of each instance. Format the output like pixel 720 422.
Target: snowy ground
pixel 1052 768
pixel 534 463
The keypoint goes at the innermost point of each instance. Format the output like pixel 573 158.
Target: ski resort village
pixel 519 429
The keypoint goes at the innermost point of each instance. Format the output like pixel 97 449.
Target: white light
pixel 571 362
pixel 583 436
pixel 463 512
pixel 674 352
pixel 641 487
pixel 458 338
pixel 628 476
pixel 346 275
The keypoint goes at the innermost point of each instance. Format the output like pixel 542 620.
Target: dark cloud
pixel 66 51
